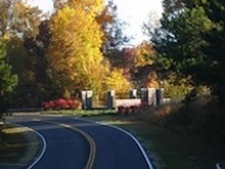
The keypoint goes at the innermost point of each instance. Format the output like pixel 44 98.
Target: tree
pixel 173 7
pixel 20 22
pixel 74 52
pixel 17 18
pixel 145 54
pixel 37 46
pixel 118 82
pixel 179 41
pixel 216 47
pixel 113 39
pixel 190 42
pixel 7 80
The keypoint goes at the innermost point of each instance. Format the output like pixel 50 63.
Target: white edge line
pixel 218 166
pixel 42 152
pixel 138 144
pixel 130 135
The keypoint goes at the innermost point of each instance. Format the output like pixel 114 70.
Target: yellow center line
pixel 91 142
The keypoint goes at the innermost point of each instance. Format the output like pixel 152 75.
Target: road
pixel 78 144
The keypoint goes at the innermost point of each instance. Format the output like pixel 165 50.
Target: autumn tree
pixel 17 18
pixel 74 52
pixel 145 54
pixel 135 62
pixel 117 81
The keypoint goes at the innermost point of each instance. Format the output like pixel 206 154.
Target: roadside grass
pixel 167 150
pixel 18 146
pixel 172 151
pixel 81 113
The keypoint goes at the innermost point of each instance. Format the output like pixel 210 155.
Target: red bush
pixel 125 110
pixel 61 104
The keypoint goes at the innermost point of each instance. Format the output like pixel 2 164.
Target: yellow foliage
pixel 118 82
pixel 92 7
pixel 152 80
pixel 144 55
pixel 75 44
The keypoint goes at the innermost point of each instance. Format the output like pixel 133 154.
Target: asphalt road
pixel 68 148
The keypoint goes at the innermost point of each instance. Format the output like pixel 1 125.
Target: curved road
pixel 68 148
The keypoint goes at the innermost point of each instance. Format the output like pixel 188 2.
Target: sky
pixel 133 12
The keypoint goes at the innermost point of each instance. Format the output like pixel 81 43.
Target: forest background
pixel 81 46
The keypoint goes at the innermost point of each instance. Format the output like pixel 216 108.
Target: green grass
pixel 18 146
pixel 81 113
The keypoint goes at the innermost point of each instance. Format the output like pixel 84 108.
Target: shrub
pixel 61 103
pixel 176 86
pixel 132 109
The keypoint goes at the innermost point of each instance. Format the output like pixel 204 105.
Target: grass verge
pixel 167 150
pixel 18 146
pixel 81 113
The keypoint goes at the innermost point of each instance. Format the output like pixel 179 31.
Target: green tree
pixel 215 11
pixel 7 80
pixel 191 42
pixel 37 47
pixel 179 40
pixel 25 65
pixel 19 22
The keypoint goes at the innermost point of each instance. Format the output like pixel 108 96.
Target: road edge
pixel 137 143
pixel 127 133
pixel 41 154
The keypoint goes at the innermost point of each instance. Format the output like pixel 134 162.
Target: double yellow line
pixel 91 142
